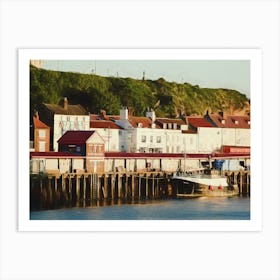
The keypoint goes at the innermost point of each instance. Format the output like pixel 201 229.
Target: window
pixel 158 139
pixel 151 139
pixel 42 133
pixel 143 138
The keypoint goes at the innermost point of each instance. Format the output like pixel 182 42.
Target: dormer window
pixel 174 125
pixel 235 121
pixel 249 122
pixel 223 121
pixel 140 125
pixel 164 126
pixel 170 125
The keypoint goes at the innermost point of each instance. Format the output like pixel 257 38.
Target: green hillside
pixel 169 99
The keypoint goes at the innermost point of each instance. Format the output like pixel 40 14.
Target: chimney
pixel 103 114
pixel 36 114
pixel 65 103
pixel 124 113
pixel 151 114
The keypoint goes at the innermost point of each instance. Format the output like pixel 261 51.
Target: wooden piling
pixel 113 185
pixel 147 185
pixel 126 186
pixel 77 188
pixel 98 184
pixel 139 185
pixel 132 186
pixel 153 185
pixel 119 185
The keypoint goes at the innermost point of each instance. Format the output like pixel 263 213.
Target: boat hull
pixel 196 187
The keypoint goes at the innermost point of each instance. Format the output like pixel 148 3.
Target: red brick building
pixel 88 144
pixel 41 135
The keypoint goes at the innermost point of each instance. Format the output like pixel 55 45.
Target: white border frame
pixel 254 55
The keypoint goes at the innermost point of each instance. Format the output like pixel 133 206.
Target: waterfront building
pixel 61 118
pixel 87 144
pixel 41 138
pixel 108 130
pixel 235 129
pixel 106 143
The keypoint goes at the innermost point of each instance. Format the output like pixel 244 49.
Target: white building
pixel 61 118
pixel 108 130
pixel 154 135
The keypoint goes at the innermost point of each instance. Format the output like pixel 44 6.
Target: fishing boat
pixel 201 184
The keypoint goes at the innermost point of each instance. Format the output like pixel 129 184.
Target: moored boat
pixel 195 185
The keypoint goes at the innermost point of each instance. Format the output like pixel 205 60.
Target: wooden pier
pixel 49 191
pixel 241 180
pixel 54 190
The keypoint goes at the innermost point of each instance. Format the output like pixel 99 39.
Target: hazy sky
pixel 232 74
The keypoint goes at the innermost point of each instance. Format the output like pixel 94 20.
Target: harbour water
pixel 202 208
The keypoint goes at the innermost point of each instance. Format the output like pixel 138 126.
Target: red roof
pixel 198 122
pixel 38 124
pixel 144 121
pixel 103 124
pixel 231 121
pixel 75 137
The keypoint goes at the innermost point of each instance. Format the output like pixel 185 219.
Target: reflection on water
pixel 203 208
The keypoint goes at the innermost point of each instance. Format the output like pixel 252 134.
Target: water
pixel 202 208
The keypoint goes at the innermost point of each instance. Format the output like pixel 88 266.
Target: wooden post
pixel 63 188
pixel 132 186
pixel 91 187
pixel 55 191
pixel 77 188
pixel 41 193
pixel 248 183
pixel 105 187
pixel 113 185
pixel 139 185
pixel 70 189
pixel 84 188
pixel 49 191
pixel 126 186
pixel 147 185
pixel 153 185
pixel 98 186
pixel 241 182
pixel 119 185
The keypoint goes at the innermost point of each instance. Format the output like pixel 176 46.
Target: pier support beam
pixel 132 186
pixel 139 185
pixel 147 185
pixel 119 185
pixel 77 188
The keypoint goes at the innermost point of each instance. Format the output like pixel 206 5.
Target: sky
pixel 230 74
